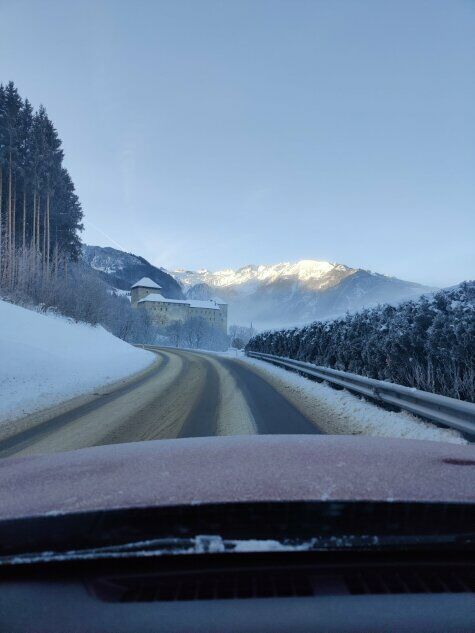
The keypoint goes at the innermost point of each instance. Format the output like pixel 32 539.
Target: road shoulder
pixel 339 412
pixel 10 428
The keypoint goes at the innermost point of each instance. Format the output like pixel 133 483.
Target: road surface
pixel 185 394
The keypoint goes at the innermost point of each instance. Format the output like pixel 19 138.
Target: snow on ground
pixel 46 359
pixel 120 293
pixel 340 412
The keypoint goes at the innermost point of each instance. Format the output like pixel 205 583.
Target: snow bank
pixel 340 412
pixel 45 359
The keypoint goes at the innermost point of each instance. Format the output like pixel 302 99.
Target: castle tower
pixel 142 288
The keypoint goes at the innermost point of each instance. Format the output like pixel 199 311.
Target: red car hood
pixel 233 469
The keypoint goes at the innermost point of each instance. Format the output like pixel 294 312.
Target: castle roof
pixel 196 303
pixel 155 297
pixel 146 282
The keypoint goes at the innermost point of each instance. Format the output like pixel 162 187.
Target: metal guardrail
pixel 450 412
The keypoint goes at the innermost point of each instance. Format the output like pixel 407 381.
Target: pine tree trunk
pixel 23 241
pixel 1 220
pixel 12 254
pixel 14 217
pixel 43 255
pixel 9 228
pixel 38 213
pixel 47 227
pixel 33 224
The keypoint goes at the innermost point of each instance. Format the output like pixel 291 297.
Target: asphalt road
pixel 185 394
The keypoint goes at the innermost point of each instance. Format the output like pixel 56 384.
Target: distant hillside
pixel 288 294
pixel 121 270
pixel 200 291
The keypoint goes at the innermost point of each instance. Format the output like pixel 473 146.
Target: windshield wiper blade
pixel 202 544
pixel 215 544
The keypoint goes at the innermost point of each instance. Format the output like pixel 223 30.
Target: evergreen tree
pixel 428 344
pixel 38 204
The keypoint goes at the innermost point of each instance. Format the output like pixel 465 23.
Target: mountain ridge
pixel 294 293
pixel 268 295
pixel 121 270
pixel 303 270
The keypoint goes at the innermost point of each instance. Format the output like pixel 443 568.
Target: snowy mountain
pixel 269 296
pixel 121 270
pixel 295 293
pixel 315 274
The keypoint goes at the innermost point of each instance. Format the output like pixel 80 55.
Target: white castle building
pixel 145 295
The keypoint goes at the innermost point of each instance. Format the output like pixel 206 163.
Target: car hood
pixel 236 469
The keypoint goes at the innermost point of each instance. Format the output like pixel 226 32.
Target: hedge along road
pixel 185 394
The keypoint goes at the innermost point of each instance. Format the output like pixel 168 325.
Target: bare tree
pixel 175 333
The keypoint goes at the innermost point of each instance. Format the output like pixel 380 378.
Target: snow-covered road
pixel 185 394
pixel 195 394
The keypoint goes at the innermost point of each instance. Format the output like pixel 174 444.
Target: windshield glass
pixel 236 256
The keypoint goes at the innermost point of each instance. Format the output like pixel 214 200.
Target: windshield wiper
pixel 215 544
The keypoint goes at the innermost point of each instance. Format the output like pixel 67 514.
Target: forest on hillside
pixel 40 225
pixel 38 204
pixel 40 247
pixel 428 344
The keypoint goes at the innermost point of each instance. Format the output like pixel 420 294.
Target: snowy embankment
pixel 340 412
pixel 46 359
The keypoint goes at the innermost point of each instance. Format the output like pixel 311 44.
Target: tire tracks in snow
pixel 189 394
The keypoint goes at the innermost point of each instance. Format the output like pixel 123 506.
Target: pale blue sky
pixel 212 134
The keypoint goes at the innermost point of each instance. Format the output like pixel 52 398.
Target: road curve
pixel 187 394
